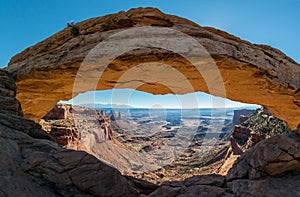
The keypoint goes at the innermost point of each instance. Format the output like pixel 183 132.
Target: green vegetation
pixel 263 123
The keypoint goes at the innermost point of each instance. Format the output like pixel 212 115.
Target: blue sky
pixel 276 23
pixel 145 100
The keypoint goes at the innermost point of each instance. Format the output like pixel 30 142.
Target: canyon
pixel 33 164
pixel 127 145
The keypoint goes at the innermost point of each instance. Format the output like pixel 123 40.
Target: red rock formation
pixel 235 148
pixel 241 133
pixel 239 115
pixel 58 112
pixel 65 136
pixel 270 77
pixel 250 131
pixel 105 125
pixel 60 124
pixel 35 167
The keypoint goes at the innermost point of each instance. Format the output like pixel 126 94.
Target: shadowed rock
pixel 38 167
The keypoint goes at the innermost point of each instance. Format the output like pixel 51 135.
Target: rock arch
pixel 45 72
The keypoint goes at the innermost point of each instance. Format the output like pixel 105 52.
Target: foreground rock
pixel 39 167
pixel 206 186
pixel 270 77
pixel 272 156
pixel 271 168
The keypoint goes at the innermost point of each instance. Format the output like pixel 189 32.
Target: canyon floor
pixel 160 145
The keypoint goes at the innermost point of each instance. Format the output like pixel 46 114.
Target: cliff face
pixel 255 128
pixel 60 124
pixel 270 78
pixel 240 115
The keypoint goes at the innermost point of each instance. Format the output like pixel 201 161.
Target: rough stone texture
pixel 240 115
pixel 58 112
pixel 269 187
pixel 45 72
pixel 213 179
pixel 272 156
pixel 65 136
pixel 9 104
pixel 39 167
pixel 271 168
pixel 206 185
pixel 257 127
pixel 60 124
pixel 11 112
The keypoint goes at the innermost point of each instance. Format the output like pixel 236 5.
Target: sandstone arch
pixel 45 72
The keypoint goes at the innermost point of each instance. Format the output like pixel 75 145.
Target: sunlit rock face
pixel 45 73
pixel 77 128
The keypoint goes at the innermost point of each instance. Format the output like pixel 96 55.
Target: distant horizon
pixel 140 99
pixel 123 106
pixel 36 21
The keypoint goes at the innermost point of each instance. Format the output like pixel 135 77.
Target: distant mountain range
pixel 105 106
pixel 110 106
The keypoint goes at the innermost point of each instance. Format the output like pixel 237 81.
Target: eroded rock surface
pixel 255 128
pixel 39 167
pixel 270 168
pixel 272 156
pixel 45 72
pixel 240 116
pixel 59 112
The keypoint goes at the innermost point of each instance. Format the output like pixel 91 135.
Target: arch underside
pixel 45 73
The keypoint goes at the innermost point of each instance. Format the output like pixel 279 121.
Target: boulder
pixel 273 156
